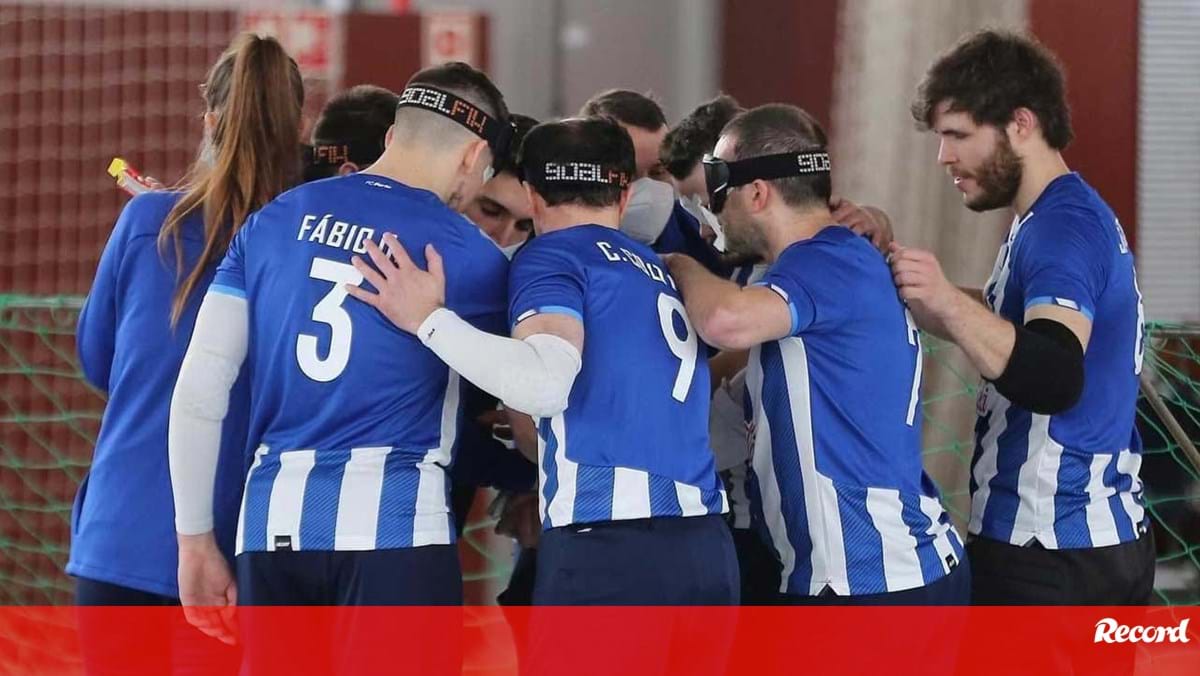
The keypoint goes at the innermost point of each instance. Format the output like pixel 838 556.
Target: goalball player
pixel 1057 515
pixel 603 356
pixel 354 422
pixel 834 378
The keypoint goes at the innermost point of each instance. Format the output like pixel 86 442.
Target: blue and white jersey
pixel 837 482
pixel 633 440
pixel 1068 480
pixel 355 421
pixel 727 425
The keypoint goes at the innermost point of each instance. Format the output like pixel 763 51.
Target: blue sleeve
pixel 476 285
pixel 231 273
pixel 96 334
pixel 682 235
pixel 545 279
pixel 1064 261
pixel 800 282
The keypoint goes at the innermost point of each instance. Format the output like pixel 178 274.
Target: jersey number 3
pixel 329 311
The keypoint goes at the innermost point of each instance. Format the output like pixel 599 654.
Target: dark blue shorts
pixel 672 561
pixel 354 639
pixel 417 576
pixel 108 651
pixel 661 561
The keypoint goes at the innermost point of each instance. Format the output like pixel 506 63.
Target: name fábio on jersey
pixel 618 254
pixel 337 234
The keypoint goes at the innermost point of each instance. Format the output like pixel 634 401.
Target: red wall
pixel 381 50
pixel 785 51
pixel 385 50
pixel 780 51
pixel 1098 44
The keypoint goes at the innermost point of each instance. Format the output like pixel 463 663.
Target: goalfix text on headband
pixel 497 133
pixel 721 175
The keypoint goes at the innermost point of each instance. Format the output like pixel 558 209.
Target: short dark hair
pixel 357 119
pixel 989 74
pixel 627 107
pixel 696 134
pixel 463 81
pixel 779 128
pixel 598 140
pixel 509 161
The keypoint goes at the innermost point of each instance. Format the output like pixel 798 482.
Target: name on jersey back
pixel 334 233
pixel 617 254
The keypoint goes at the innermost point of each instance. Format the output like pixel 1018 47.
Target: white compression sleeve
pixel 214 357
pixel 533 376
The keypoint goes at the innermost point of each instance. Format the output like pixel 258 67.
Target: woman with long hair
pixel 135 327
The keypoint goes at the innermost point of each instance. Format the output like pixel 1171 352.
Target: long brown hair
pixel 257 93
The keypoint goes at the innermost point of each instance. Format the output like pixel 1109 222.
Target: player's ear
pixel 389 135
pixel 1023 124
pixel 476 154
pixel 537 204
pixel 348 168
pixel 758 194
pixel 623 202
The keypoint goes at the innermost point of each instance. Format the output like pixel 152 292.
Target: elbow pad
pixel 543 392
pixel 1045 370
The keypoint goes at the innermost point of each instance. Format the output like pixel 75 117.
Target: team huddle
pixel 709 364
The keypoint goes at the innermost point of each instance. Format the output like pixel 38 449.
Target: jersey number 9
pixel 684 348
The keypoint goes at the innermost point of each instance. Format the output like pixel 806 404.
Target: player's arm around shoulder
pixel 532 372
pixel 727 316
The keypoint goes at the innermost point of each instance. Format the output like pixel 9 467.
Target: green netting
pixel 50 419
pixel 1168 421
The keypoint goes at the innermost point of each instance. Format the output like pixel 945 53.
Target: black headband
pixel 574 173
pixel 359 152
pixel 498 134
pixel 720 176
pixel 783 165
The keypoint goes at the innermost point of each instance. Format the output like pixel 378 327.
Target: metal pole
pixel 557 104
pixel 1173 427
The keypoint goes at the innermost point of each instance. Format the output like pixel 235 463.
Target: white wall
pixel 1168 239
pixel 666 46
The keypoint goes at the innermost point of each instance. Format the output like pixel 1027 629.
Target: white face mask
pixel 650 205
pixel 702 214
pixel 511 249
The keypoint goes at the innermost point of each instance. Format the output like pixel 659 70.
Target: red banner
pixel 631 640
